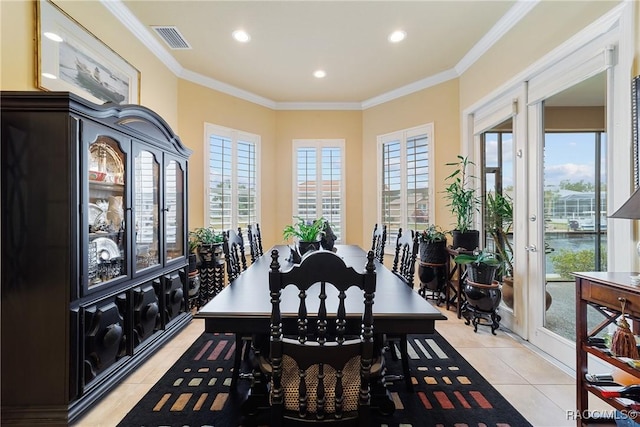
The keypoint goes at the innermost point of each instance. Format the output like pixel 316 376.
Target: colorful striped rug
pixel 448 392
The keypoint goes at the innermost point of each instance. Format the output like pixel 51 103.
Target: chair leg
pixel 237 359
pixel 405 362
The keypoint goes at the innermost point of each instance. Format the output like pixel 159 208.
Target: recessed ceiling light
pixel 49 76
pixel 319 74
pixel 241 36
pixel 397 36
pixel 53 36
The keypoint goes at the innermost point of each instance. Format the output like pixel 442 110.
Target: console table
pixel 605 291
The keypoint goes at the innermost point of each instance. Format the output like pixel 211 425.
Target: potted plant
pixel 463 203
pixel 433 245
pixel 308 233
pixel 498 223
pixel 432 269
pixel 482 291
pixel 481 265
pixel 207 243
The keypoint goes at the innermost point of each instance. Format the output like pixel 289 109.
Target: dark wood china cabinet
pixel 94 246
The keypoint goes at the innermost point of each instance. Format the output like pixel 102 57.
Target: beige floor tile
pixel 533 367
pixel 490 366
pixel 539 409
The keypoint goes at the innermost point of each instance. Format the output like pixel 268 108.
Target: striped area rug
pixel 448 392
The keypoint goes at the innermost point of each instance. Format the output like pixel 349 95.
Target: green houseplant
pixel 433 245
pixel 481 265
pixel 206 243
pixel 308 233
pixel 463 203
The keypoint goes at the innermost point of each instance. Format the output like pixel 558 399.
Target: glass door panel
pixel 174 210
pixel 106 212
pixel 147 209
pixel 575 236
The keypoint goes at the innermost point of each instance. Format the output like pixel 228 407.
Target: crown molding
pixel 124 15
pixel 506 23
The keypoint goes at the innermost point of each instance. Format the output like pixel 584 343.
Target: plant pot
pixel 507 293
pixel 468 240
pixel 483 297
pixel 433 252
pixel 481 273
pixel 432 276
pixel 210 254
pixel 304 247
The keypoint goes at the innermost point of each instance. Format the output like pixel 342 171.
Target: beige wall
pixel 197 106
pixel 526 43
pixel 438 105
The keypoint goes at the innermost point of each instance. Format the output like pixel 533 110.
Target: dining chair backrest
pixel 322 370
pixel 379 241
pixel 255 241
pixel 233 248
pixel 404 261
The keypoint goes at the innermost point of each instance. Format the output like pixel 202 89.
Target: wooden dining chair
pixel 255 241
pixel 379 241
pixel 236 263
pixel 404 266
pixel 321 373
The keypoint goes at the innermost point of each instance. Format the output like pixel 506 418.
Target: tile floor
pixel 540 390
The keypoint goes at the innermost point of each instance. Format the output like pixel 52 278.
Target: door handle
pixel 531 248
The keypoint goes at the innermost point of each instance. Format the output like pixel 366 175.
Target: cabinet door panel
pixel 174 211
pixel 173 296
pixel 106 207
pixel 105 336
pixel 146 313
pixel 146 177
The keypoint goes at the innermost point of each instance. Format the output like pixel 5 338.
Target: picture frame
pixel 70 58
pixel 635 127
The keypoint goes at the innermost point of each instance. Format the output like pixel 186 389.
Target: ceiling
pixel 347 39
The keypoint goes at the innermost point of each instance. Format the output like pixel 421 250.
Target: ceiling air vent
pixel 171 36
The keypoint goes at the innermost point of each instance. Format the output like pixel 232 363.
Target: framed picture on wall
pixel 70 58
pixel 635 126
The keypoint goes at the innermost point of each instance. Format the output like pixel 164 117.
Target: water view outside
pixel 575 220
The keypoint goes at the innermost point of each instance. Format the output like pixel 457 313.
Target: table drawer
pixel 609 297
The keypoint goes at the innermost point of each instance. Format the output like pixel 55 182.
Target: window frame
pixel 319 144
pixel 234 135
pixel 403 136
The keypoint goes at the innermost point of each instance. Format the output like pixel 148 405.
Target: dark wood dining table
pixel 244 306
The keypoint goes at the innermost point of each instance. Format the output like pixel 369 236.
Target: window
pixel 405 166
pixel 319 185
pixel 231 186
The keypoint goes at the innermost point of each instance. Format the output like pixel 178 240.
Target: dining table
pixel 244 307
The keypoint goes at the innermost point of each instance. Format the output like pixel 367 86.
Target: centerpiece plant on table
pixel 308 233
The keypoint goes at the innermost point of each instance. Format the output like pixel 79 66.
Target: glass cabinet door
pixel 106 212
pixel 147 210
pixel 174 210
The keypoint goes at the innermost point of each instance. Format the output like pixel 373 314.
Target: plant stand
pixel 477 317
pixel 433 280
pixel 481 306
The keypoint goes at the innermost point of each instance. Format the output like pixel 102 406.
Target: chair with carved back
pixel 404 266
pixel 236 263
pixel 255 241
pixel 322 371
pixel 379 241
